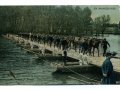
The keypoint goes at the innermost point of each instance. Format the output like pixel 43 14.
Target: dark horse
pixel 90 45
pixel 93 43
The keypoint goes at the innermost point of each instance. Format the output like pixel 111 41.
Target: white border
pixel 60 2
pixel 62 87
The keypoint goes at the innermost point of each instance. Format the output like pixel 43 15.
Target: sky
pixel 112 10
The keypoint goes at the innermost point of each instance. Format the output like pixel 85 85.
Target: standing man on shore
pixel 104 44
pixel 107 71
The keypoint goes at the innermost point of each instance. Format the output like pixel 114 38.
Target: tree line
pixel 65 20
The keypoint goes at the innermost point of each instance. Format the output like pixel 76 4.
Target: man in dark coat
pixel 84 46
pixel 64 43
pixel 51 40
pixel 105 43
pixel 64 55
pixel 57 41
pixel 107 71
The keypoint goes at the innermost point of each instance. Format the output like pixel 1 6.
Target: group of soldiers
pixel 85 45
pixel 55 40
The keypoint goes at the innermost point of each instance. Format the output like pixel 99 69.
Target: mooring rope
pixel 81 80
pixel 46 60
pixel 75 72
pixel 70 70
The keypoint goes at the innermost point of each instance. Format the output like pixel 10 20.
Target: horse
pixel 75 44
pixel 68 43
pixel 90 45
pixel 94 43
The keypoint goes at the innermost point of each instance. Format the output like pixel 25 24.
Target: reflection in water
pixel 29 70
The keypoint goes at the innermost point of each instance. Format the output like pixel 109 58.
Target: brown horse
pixel 94 43
pixel 90 45
pixel 68 43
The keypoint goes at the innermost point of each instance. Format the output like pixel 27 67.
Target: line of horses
pixel 68 42
pixel 93 43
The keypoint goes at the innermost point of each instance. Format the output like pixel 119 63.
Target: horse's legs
pixel 86 51
pixel 89 50
pixel 75 48
pixel 81 50
pixel 93 51
pixel 98 51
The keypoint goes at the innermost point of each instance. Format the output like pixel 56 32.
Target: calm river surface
pixel 29 70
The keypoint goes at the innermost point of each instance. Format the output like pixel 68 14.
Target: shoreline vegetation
pixel 60 20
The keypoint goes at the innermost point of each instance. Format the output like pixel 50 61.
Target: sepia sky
pixel 112 10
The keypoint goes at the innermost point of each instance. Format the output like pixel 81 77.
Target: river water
pixel 29 70
pixel 114 41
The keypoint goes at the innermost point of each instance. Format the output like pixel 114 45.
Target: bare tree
pixel 101 23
